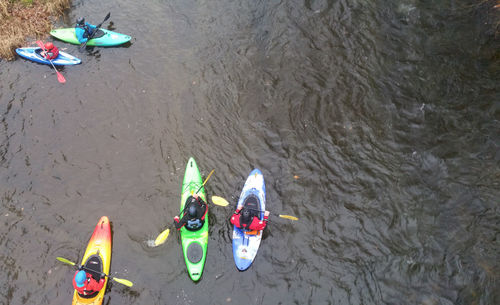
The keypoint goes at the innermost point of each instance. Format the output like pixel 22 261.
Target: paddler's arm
pixel 235 220
pixel 266 215
pixel 178 225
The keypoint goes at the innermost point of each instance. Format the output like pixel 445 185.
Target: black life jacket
pixel 197 222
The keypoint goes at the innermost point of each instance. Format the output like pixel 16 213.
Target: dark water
pixel 375 122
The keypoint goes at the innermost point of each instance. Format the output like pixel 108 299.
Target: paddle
pixel 82 47
pixel 60 77
pixel 223 202
pixel 219 201
pixel 208 177
pixel 162 237
pixel 121 281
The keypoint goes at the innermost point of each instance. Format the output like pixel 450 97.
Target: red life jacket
pixel 52 53
pixel 90 286
pixel 256 223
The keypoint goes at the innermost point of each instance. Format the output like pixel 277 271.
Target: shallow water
pixel 375 123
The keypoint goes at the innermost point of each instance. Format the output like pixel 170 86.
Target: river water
pixel 376 123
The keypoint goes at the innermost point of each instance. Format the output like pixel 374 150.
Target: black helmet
pixel 245 215
pixel 192 211
pixel 80 21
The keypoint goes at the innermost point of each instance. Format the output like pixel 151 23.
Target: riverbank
pixel 22 19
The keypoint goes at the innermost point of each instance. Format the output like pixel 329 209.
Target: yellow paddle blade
pixel 162 237
pixel 123 281
pixel 62 259
pixel 289 217
pixel 219 201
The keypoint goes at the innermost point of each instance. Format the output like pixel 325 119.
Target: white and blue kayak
pixel 33 53
pixel 246 242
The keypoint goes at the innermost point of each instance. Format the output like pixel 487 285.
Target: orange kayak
pixel 97 257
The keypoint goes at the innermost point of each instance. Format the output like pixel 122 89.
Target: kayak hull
pixel 108 39
pixel 245 242
pixel 99 245
pixel 194 243
pixel 63 59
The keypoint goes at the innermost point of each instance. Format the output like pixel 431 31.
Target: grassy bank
pixel 20 19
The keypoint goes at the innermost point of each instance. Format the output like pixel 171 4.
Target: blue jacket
pixel 83 32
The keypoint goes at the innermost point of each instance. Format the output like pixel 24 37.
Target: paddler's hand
pixel 176 218
pixel 266 214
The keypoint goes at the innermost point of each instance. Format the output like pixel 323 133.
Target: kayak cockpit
pixel 93 266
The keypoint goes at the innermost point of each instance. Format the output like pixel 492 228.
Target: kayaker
pixel 244 219
pixel 85 283
pixel 194 214
pixel 50 52
pixel 83 30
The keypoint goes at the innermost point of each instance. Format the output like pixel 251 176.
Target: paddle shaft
pixel 121 281
pixel 88 269
pixel 82 47
pixel 208 177
pixel 53 65
pixel 60 77
pixel 223 202
pixel 67 261
pixel 282 216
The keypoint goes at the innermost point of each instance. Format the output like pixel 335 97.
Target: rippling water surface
pixel 376 123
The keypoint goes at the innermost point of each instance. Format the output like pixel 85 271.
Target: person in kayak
pixel 85 283
pixel 50 52
pixel 194 214
pixel 83 30
pixel 245 219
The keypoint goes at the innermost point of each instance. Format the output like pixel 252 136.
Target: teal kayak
pixel 194 243
pixel 103 38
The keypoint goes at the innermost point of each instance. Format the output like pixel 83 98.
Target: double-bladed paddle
pixel 223 202
pixel 82 47
pixel 121 281
pixel 60 77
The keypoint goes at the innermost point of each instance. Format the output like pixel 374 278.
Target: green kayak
pixel 194 243
pixel 103 38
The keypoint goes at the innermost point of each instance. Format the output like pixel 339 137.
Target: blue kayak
pixel 245 242
pixel 33 54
